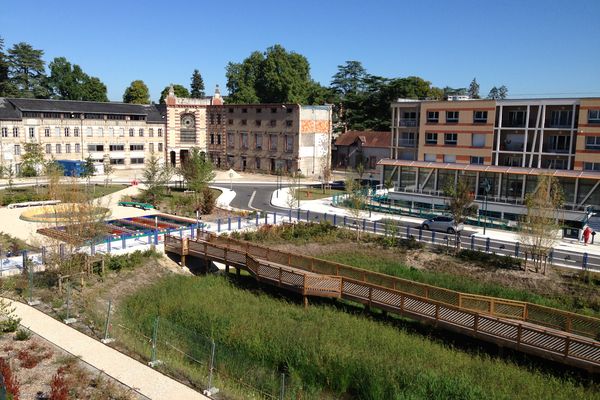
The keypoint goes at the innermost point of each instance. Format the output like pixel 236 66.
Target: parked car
pixel 443 224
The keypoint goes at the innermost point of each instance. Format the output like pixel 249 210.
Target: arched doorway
pixel 183 156
pixel 173 157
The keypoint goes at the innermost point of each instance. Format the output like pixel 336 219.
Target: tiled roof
pixel 368 138
pixel 8 110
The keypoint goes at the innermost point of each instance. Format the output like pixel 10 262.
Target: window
pixel 258 122
pixel 77 148
pixel 560 144
pixel 477 160
pixel 288 123
pixel 478 140
pixel 116 147
pixel 259 110
pixel 131 132
pixel 230 140
pixel 431 138
pixel 88 131
pixel 121 132
pixel 15 132
pixel 258 163
pixel 95 147
pixel 57 131
pixel 592 142
pixel 450 139
pixel 273 142
pixel 46 132
pixel 560 118
pixel 117 161
pixel 449 158
pixel 273 110
pixel 160 147
pixel 430 157
pixel 516 118
pixel 31 133
pixel 594 116
pixel 67 132
pixel 111 132
pixel 591 166
pixel 76 132
pixel 451 116
pixel 433 116
pixel 141 132
pixel 273 123
pixel 258 141
pixel 17 149
pixel 289 110
pixel 151 147
pixel 48 148
pixel 244 122
pixel 556 164
pixel 289 143
pixel 480 117
pixel 58 148
pixel 151 132
pixel 230 110
pixel 5 132
pixel 100 132
pixel 137 160
pixel 67 148
pixel 218 138
pixel 230 121
pixel 159 132
pixel 212 138
pixel 136 147
pixel 244 140
pixel 244 110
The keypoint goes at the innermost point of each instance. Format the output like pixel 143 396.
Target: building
pixel 361 147
pixel 500 147
pixel 260 137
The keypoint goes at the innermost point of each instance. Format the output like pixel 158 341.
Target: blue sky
pixel 536 48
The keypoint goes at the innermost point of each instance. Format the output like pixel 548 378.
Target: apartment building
pixel 500 147
pixel 259 137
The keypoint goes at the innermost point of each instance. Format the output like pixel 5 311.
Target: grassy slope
pixel 332 352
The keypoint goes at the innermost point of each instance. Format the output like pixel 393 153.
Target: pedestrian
pixel 587 232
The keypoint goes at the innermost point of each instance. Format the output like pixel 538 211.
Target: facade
pixel 267 138
pixel 357 147
pixel 501 147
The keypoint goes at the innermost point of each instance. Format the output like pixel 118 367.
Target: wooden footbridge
pixel 553 334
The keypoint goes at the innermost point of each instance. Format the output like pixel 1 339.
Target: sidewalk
pixel 324 206
pixel 128 371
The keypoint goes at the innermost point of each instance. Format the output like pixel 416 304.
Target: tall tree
pixel 156 177
pixel 137 93
pixel 180 91
pixel 197 85
pixel 349 79
pixel 460 204
pixel 69 82
pixel 27 70
pixel 498 93
pixel 474 89
pixel 6 87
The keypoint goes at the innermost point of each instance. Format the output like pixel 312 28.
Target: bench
pixel 143 206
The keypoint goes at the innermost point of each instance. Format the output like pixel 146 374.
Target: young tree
pixel 539 228
pixel 88 169
pixel 474 89
pixel 197 172
pixel 197 85
pixel 54 172
pixel 10 175
pixel 460 204
pixel 293 197
pixel 356 201
pixel 156 177
pixel 179 90
pixel 32 159
pixel 208 201
pixel 108 169
pixel 27 70
pixel 137 93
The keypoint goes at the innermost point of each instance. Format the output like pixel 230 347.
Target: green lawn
pixel 328 353
pixel 317 193
pixel 33 193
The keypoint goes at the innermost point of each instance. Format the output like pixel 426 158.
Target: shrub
pixel 10 381
pixel 490 259
pixel 129 261
pixel 59 389
pixel 208 201
pixel 22 334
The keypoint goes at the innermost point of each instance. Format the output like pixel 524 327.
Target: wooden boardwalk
pixel 552 334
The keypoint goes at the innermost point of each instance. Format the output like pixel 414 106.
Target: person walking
pixel 587 233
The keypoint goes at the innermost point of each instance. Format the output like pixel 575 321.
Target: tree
pixel 32 160
pixel 498 93
pixel 88 169
pixel 69 82
pixel 53 172
pixel 208 201
pixel 197 85
pixel 197 170
pixel 356 201
pixel 349 79
pixel 293 191
pixel 449 91
pixel 474 89
pixel 27 70
pixel 179 90
pixel 539 228
pixel 460 204
pixel 137 93
pixel 156 177
pixel 10 175
pixel 6 86
pixel 108 169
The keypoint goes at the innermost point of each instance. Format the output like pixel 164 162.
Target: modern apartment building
pixel 260 137
pixel 500 147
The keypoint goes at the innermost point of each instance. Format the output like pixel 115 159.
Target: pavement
pixel 126 370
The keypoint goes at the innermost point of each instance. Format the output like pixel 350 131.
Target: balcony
pixel 407 122
pixel 406 143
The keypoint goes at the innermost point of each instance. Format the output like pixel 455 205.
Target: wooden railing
pixel 502 308
pixel 524 336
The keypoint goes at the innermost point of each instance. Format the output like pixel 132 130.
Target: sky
pixel 536 48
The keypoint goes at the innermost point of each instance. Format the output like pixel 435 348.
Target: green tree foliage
pixel 474 89
pixel 6 87
pixel 449 91
pixel 208 201
pixel 26 70
pixel 197 171
pixel 137 93
pixel 32 160
pixel 179 90
pixel 498 93
pixel 69 82
pixel 349 79
pixel 88 168
pixel 460 203
pixel 275 76
pixel 156 177
pixel 197 85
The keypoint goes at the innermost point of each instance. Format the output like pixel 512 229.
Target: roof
pixel 368 138
pixel 8 110
pixel 153 112
pixel 559 173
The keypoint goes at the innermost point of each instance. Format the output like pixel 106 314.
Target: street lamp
pixel 231 180
pixel 298 185
pixel 486 189
pixel 279 182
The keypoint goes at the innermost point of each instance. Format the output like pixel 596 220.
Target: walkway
pixel 128 371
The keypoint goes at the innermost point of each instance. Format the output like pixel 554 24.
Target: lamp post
pixel 298 185
pixel 279 183
pixel 230 180
pixel 486 188
pixel 370 197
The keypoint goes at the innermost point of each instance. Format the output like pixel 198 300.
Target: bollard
pixel 325 217
pixel 219 225
pixel 420 234
pixel 345 220
pixel 364 224
pixel 229 223
pixel 150 238
pixel 93 249
pixel 487 245
pixel 298 215
pixel 374 226
pixel 108 244
pixel 407 231
pixel 43 254
pixel 473 243
pixel 335 219
pixel 517 249
pixel 106 338
pixel 257 219
pixel 266 218
pixel 290 215
pixel 123 241
pixel 181 233
pixel 307 215
pixel 584 261
pixel 239 222
pixel 551 255
pixel 61 250
pixel 156 237
pixel 274 218
pixel 432 237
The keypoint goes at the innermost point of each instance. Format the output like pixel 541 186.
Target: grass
pixel 327 353
pixel 317 193
pixel 12 244
pixel 460 283
pixel 33 193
